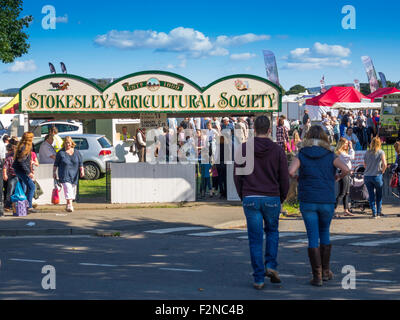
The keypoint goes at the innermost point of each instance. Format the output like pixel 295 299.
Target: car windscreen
pixel 66 127
pixel 104 142
pixel 45 129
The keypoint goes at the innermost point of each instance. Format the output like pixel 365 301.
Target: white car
pixel 95 149
pixel 63 127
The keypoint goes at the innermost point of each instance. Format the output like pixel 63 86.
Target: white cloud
pixel 185 40
pixel 23 66
pixel 219 52
pixel 240 40
pixel 63 19
pixel 315 63
pixel 317 57
pixel 242 56
pixel 177 40
pixel 299 52
pixel 328 50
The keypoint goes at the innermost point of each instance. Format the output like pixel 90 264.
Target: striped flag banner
pixel 371 73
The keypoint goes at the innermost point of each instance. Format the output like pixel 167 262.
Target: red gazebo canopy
pixel 381 92
pixel 13 110
pixel 336 94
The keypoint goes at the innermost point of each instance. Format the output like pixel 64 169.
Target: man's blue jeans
pixel 317 218
pixel 262 215
pixel 374 185
pixel 28 186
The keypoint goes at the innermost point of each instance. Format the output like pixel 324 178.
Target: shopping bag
pixel 55 195
pixel 38 191
pixel 19 194
pixel 394 181
pixel 21 208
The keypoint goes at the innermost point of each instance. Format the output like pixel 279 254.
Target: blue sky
pixel 206 40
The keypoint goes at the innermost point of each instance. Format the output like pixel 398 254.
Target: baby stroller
pixel 358 190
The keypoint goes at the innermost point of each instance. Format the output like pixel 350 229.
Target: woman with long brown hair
pixel 316 165
pixel 375 166
pixel 23 167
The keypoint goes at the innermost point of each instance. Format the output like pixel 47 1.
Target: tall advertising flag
pixel 357 84
pixel 371 73
pixel 271 67
pixel 63 68
pixel 52 69
pixel 323 90
pixel 383 79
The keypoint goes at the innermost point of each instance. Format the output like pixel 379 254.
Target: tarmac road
pixel 169 260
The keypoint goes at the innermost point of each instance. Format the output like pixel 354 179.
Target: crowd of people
pixel 359 128
pixel 348 132
pixel 203 141
pixel 20 160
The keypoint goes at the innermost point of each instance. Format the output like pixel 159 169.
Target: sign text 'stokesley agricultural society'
pixel 149 92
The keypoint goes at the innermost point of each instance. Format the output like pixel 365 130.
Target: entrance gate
pixel 62 96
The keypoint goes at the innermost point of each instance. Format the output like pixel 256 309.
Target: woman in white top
pixel 345 152
pixel 349 135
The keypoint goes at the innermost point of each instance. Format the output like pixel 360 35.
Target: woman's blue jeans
pixel 28 186
pixel 374 185
pixel 317 218
pixel 262 215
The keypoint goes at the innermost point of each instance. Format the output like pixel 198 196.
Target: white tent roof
pixel 356 106
pixel 5 100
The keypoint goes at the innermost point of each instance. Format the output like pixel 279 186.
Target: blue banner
pixel 383 79
pixel 271 67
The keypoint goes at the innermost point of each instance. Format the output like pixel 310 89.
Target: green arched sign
pixel 149 92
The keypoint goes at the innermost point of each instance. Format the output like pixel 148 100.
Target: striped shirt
pixel 8 165
pixel 282 136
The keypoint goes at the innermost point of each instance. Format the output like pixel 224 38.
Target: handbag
pixel 55 195
pixel 38 190
pixel 394 181
pixel 19 194
pixel 288 147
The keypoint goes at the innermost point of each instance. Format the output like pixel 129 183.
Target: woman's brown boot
pixel 314 255
pixel 327 274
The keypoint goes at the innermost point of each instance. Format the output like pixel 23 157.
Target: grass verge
pixel 291 209
pixel 92 188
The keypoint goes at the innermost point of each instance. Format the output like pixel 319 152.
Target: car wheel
pixel 92 171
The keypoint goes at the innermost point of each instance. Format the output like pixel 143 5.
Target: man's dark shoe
pixel 31 210
pixel 273 275
pixel 258 285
